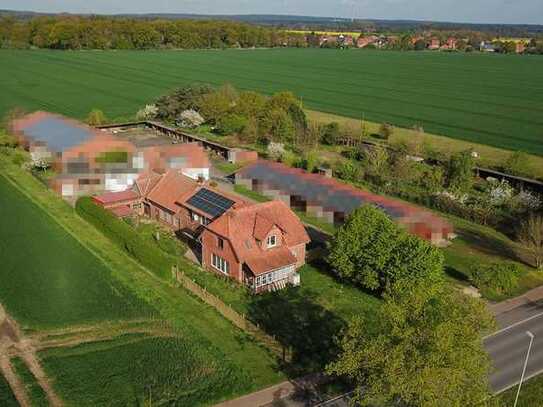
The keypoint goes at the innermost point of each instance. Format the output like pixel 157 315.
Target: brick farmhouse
pixel 259 245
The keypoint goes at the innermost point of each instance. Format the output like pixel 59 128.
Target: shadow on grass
pixel 490 245
pixel 456 274
pixel 300 324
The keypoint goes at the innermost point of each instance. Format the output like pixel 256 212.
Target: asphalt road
pixel 508 347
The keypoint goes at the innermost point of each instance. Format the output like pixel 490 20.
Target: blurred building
pixel 87 160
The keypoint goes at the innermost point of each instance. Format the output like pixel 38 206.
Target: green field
pixel 488 99
pixel 139 371
pixel 59 287
pixel 7 399
pixel 48 278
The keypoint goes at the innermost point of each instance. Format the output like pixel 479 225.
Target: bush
pixel 190 118
pixel 149 112
pixel 275 151
pixel 125 237
pixel 496 279
pixel 96 117
pixel 232 124
pixel 330 134
pixel 386 131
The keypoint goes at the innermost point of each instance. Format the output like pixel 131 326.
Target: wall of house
pixel 210 246
pixel 299 252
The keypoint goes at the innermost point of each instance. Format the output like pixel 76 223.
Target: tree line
pixel 96 32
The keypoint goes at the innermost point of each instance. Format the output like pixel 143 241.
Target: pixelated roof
pixel 330 194
pixel 57 132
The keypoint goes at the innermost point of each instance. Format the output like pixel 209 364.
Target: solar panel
pixel 210 202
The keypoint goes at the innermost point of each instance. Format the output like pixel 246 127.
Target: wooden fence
pixel 236 318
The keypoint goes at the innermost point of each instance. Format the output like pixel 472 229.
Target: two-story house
pixel 260 245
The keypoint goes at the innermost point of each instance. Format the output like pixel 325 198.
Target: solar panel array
pixel 210 202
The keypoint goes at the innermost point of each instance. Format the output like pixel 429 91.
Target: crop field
pixel 488 99
pixel 7 398
pixel 48 278
pixel 95 337
pixel 138 371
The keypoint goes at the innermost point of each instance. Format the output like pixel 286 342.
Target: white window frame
pixel 269 241
pixel 220 264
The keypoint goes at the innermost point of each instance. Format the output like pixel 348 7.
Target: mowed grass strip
pixel 48 278
pixel 140 371
pixel 487 99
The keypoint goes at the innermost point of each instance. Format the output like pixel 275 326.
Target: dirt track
pixel 13 343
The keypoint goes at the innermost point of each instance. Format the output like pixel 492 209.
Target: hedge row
pixel 125 237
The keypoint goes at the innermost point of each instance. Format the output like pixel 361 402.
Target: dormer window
pixel 272 241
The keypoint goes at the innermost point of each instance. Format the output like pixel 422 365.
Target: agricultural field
pixel 103 331
pixel 50 280
pixel 487 99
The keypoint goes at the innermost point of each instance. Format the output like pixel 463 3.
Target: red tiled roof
pixel 121 211
pixel 170 188
pixel 245 226
pixel 159 158
pixel 114 197
pixel 146 182
pixel 270 260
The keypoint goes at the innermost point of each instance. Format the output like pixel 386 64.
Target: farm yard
pixel 488 99
pixel 83 306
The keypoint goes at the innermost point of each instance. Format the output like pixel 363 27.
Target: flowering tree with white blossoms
pixel 190 118
pixel 276 150
pixel 147 113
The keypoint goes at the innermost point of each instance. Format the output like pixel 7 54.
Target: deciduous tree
pixel 418 352
pixel 372 251
pixel 531 237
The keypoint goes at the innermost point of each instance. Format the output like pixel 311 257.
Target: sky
pixel 469 11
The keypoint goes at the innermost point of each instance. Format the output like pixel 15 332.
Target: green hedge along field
pixel 488 99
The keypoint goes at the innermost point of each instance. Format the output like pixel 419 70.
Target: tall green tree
pixel 372 251
pixel 419 352
pixel 460 172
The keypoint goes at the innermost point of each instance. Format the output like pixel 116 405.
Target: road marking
pixel 531 376
pixel 513 325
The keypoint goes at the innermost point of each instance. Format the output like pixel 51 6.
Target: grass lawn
pixel 136 370
pixel 487 99
pixel 48 278
pixel 478 244
pixel 531 394
pixel 35 393
pixel 7 398
pixel 244 365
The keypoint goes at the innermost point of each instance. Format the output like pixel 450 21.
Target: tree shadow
pixel 299 324
pixel 490 245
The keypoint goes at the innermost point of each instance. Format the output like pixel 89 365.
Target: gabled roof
pixel 169 188
pixel 244 227
pixel 115 197
pixel 146 182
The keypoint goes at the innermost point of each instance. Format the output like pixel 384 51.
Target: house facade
pixel 259 245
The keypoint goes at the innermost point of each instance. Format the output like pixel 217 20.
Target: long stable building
pixel 333 201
